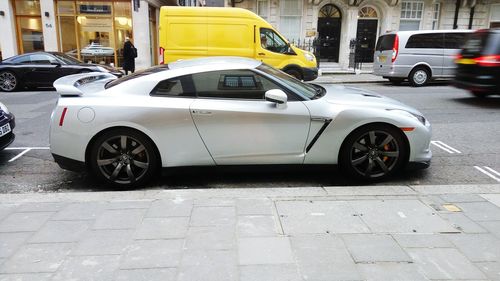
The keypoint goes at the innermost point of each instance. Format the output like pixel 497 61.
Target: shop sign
pixel 95 9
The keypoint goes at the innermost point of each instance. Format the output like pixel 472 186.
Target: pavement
pixel 346 78
pixel 401 232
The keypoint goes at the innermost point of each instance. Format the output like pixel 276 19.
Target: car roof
pixel 216 63
pixel 411 32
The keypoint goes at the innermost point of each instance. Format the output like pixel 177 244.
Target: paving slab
pixel 491 269
pixel 477 247
pixel 208 265
pixel 6 209
pixel 387 271
pixel 493 198
pixel 462 198
pixel 162 228
pixel 38 258
pixel 41 207
pixel 60 232
pixel 146 274
pixel 457 189
pixel 207 216
pixel 26 277
pixel 480 211
pixel 84 268
pixel 170 208
pixel 119 219
pixel 264 250
pixel 370 248
pixel 445 264
pixel 211 237
pixel 314 217
pixel 152 254
pixel 375 190
pixel 215 202
pixel 400 216
pixel 419 240
pixel 249 226
pixel 80 211
pixel 492 227
pixel 462 223
pixel 104 242
pixel 254 206
pixel 269 272
pixel 128 204
pixel 18 222
pixel 10 242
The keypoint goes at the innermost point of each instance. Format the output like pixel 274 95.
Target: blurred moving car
pixel 478 64
pixel 228 111
pixel 7 124
pixel 418 56
pixel 41 69
pixel 96 49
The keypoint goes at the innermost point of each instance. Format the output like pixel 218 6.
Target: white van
pixel 418 56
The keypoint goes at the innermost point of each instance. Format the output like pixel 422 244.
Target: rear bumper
pixel 69 164
pixel 7 139
pixel 309 73
pixel 391 71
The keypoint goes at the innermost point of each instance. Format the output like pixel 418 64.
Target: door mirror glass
pixel 276 96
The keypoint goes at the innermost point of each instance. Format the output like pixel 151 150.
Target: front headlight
pixel 407 113
pixel 4 108
pixel 309 56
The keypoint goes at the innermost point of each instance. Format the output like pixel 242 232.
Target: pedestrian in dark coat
pixel 129 55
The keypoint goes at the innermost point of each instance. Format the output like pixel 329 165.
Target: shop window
pixel 28 7
pixel 29 25
pixel 411 15
pixel 290 16
pixel 66 7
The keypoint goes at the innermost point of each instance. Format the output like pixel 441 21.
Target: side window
pixel 232 84
pixel 22 59
pixel 41 59
pixel 175 87
pixel 454 40
pixel 426 41
pixel 271 41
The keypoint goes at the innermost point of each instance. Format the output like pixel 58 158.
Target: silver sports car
pixel 228 111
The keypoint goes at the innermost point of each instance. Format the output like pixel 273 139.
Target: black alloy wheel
pixel 373 152
pixel 8 81
pixel 124 158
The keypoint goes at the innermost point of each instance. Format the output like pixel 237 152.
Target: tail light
pixel 395 48
pixel 162 52
pixel 488 61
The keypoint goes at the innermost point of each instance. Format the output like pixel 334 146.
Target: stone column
pixel 49 25
pixel 351 22
pixel 8 34
pixel 140 25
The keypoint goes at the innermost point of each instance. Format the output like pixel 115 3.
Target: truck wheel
pixel 295 73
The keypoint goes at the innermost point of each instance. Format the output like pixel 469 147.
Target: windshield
pixel 145 72
pixel 271 41
pixel 67 59
pixel 310 91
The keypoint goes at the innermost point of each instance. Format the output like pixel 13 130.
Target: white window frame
pixel 298 15
pixel 436 13
pixel 411 18
pixel 266 8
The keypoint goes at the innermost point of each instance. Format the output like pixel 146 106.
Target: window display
pixel 29 26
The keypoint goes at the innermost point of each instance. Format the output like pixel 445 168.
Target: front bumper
pixel 309 73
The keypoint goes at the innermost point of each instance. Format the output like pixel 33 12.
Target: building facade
pixel 93 31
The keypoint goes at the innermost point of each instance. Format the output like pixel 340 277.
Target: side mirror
pixel 276 96
pixel 57 64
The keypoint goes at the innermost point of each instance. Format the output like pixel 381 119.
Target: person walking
pixel 129 55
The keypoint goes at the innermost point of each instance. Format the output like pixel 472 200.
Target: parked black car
pixel 7 124
pixel 478 64
pixel 41 69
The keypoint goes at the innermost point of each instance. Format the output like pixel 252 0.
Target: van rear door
pixel 382 58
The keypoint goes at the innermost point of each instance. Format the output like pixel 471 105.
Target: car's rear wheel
pixel 373 152
pixel 419 77
pixel 124 158
pixel 8 81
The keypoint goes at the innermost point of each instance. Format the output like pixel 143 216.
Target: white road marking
pixel 488 173
pixel 19 155
pixel 27 147
pixel 445 147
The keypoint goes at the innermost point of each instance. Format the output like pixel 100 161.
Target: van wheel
pixel 419 77
pixel 295 73
pixel 396 81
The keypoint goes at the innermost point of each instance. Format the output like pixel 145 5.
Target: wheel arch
pixel 294 67
pixel 96 135
pixel 423 65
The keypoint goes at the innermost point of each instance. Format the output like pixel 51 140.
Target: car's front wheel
pixel 8 81
pixel 124 158
pixel 373 152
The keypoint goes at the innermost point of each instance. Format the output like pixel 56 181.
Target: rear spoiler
pixel 72 85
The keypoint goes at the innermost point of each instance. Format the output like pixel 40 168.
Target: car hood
pixel 352 96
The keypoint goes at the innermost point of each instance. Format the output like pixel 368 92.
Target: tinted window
pixel 426 41
pixel 454 40
pixel 385 42
pixel 41 59
pixel 137 74
pixel 482 43
pixel 175 87
pixel 21 59
pixel 232 84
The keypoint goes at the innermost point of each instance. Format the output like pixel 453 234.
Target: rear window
pixel 426 41
pixel 385 42
pixel 138 74
pixel 482 43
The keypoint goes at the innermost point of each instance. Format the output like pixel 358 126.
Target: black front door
pixel 367 37
pixel 329 26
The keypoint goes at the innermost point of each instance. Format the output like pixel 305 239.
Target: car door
pixel 238 126
pixel 45 69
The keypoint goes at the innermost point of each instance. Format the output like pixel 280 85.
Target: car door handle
pixel 262 54
pixel 201 112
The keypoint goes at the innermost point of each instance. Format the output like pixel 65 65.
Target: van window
pixel 426 41
pixel 454 40
pixel 385 42
pixel 271 41
pixel 482 43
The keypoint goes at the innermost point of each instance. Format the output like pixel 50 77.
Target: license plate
pixel 466 61
pixel 382 58
pixel 5 129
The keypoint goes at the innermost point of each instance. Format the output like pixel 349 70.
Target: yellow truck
pixel 193 32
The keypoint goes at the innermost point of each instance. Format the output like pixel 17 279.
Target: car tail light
pixel 488 61
pixel 162 52
pixel 63 114
pixel 395 48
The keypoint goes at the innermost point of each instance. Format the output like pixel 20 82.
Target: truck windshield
pixel 271 41
pixel 307 90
